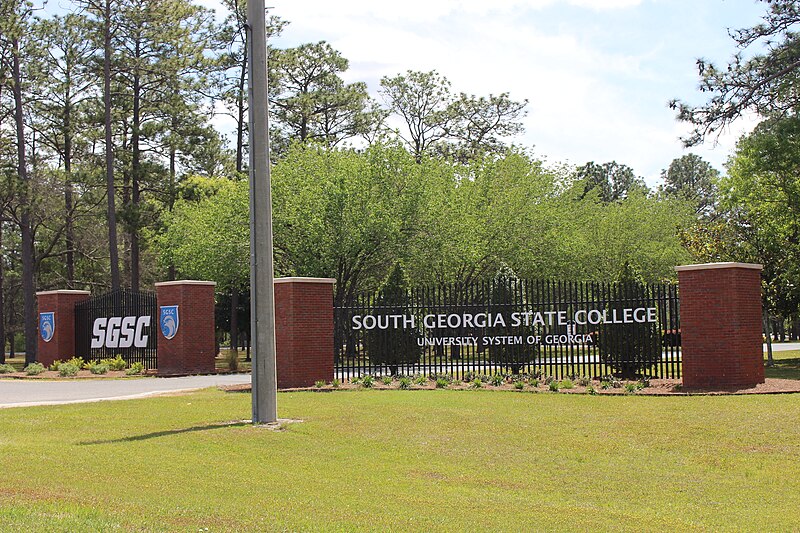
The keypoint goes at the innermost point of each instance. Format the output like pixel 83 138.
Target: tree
pixel 504 293
pixel 462 127
pixel 101 13
pixel 232 41
pixel 160 47
pixel 610 181
pixel 422 100
pixel 630 349
pixel 694 180
pixel 762 76
pixel 393 347
pixel 312 102
pixel 14 28
pixel 65 88
pixel 762 196
pixel 345 214
pixel 641 230
pixel 209 238
pixel 480 124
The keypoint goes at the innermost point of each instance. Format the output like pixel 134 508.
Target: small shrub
pixel 643 383
pixel 442 383
pixel 497 380
pixel 405 383
pixel 135 369
pixel 77 361
pixel 319 384
pixel 583 381
pixel 117 363
pixel 519 385
pixel 7 369
pixel 356 380
pixel 55 365
pixel 477 383
pixel 548 380
pixel 605 384
pixel 630 388
pixel 590 390
pixel 387 380
pixel 367 382
pixel 447 377
pixel 534 383
pixel 68 369
pixel 567 384
pixel 335 383
pixel 553 386
pixel 678 387
pixel 34 369
pixel 420 380
pixel 98 368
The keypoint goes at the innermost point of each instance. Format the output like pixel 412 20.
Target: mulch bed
pixel 82 374
pixel 658 387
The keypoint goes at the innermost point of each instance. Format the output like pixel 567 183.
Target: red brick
pixel 193 348
pixel 303 331
pixel 62 304
pixel 720 306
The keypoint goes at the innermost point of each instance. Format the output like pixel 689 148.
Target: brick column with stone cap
pixel 62 343
pixel 304 331
pixel 720 316
pixel 191 347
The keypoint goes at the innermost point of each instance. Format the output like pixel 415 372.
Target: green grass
pixel 396 460
pixel 221 362
pixel 786 365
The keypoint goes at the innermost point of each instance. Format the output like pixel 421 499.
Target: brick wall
pixel 192 350
pixel 62 303
pixel 303 331
pixel 720 306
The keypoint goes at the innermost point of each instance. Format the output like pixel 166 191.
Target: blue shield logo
pixel 47 325
pixel 169 321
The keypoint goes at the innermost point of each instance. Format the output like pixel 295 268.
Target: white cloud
pixel 597 87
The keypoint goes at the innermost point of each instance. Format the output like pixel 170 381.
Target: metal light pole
pixel 262 299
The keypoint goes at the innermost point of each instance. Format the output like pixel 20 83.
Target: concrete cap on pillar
pixel 185 282
pixel 63 291
pixel 305 280
pixel 710 266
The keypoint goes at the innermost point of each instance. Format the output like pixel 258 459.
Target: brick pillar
pixel 62 304
pixel 192 348
pixel 304 331
pixel 721 340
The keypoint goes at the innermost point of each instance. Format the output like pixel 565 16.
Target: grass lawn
pixel 405 460
pixel 786 365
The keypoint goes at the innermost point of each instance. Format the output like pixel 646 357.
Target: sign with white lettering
pixel 524 319
pixel 120 332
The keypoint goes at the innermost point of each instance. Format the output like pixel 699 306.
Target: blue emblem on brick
pixel 47 325
pixel 169 321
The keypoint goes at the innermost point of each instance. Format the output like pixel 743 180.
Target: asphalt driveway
pixel 22 393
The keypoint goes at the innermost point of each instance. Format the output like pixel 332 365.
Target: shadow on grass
pixel 783 369
pixel 167 433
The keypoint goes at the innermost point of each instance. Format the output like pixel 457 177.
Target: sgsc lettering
pixel 120 332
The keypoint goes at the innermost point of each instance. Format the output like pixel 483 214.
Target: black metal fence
pixel 557 329
pixel 119 322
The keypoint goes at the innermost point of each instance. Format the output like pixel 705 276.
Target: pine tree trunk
pixel 136 169
pixel 28 260
pixel 113 250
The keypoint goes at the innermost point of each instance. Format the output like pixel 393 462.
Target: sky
pixel 597 74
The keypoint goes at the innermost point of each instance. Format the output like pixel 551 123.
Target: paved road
pixel 783 346
pixel 22 393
